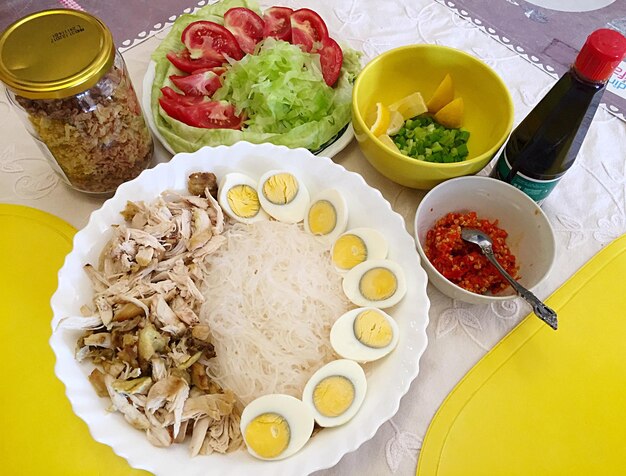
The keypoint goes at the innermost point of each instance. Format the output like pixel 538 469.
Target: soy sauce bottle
pixel 544 146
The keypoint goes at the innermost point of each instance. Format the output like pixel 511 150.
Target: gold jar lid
pixel 55 53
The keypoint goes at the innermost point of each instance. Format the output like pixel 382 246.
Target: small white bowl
pixel 530 235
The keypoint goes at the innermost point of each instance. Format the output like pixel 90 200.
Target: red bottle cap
pixel 600 55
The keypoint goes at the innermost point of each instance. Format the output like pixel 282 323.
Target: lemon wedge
pixel 410 106
pixel 451 115
pixel 396 121
pixel 382 120
pixel 442 96
pixel 388 142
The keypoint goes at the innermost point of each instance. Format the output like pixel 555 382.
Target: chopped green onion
pixel 424 139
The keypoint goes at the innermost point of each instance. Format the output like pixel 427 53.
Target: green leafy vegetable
pixel 423 139
pixel 280 87
pixel 281 90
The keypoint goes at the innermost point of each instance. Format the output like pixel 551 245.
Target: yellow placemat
pixel 544 402
pixel 39 434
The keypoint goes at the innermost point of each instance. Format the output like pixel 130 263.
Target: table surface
pixel 587 209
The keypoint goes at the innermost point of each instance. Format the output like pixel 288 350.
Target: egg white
pixel 344 341
pixel 341 213
pixel 292 212
pixel 353 277
pixel 228 182
pixel 342 368
pixel 375 244
pixel 296 413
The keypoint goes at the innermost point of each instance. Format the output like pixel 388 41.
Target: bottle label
pixel 538 190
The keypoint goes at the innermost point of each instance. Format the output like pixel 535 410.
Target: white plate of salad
pixel 230 72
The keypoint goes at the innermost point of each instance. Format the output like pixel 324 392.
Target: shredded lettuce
pixel 281 89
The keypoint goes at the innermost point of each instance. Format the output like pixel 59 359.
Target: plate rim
pixel 418 326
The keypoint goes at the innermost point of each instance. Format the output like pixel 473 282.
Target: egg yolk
pixel 280 189
pixel 333 395
pixel 372 329
pixel 349 250
pixel 243 201
pixel 322 217
pixel 268 435
pixel 378 284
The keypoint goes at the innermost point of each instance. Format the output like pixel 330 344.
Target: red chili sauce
pixel 463 263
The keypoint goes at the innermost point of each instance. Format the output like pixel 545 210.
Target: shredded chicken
pixel 144 333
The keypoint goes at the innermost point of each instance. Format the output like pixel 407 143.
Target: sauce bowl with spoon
pixel 530 235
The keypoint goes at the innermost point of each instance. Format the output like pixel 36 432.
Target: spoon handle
pixel 542 311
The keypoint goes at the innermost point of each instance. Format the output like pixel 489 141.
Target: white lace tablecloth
pixel 587 209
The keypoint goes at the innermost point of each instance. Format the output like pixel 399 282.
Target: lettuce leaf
pixel 281 89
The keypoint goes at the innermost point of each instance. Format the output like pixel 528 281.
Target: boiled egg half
pixel 335 392
pixel 364 334
pixel 327 215
pixel 239 199
pixel 283 196
pixel 376 283
pixel 356 246
pixel 276 426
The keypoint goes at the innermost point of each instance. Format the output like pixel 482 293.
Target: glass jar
pixel 71 88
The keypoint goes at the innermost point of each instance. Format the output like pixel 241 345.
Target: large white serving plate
pixel 330 149
pixel 388 379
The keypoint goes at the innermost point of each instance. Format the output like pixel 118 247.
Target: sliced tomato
pixel 209 40
pixel 331 59
pixel 308 29
pixel 183 61
pixel 219 70
pixel 172 107
pixel 277 23
pixel 183 100
pixel 203 82
pixel 246 26
pixel 205 115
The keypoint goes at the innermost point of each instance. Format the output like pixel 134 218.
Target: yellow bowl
pixel 402 71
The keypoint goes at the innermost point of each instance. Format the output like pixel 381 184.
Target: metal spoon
pixel 542 311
